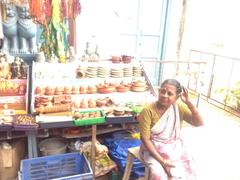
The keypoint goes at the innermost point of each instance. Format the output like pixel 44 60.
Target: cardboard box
pixel 10 159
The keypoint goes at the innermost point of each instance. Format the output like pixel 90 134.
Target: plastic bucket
pixel 53 146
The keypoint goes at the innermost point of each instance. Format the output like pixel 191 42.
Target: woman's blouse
pixel 149 116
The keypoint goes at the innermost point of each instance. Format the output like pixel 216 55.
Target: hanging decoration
pixel 54 42
pixel 53 16
pixel 64 9
pixel 15 2
pixel 40 11
pixel 77 8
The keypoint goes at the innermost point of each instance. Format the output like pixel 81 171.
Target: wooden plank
pixel 93 147
pixel 128 166
pixel 88 133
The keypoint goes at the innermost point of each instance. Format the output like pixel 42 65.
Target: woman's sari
pixel 165 135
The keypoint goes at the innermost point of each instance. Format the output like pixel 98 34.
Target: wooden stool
pixel 134 153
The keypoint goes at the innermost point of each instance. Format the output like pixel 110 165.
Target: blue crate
pixel 70 166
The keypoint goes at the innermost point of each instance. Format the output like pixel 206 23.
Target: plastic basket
pixel 90 121
pixel 70 166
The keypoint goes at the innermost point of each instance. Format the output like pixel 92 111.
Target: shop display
pixel 24 122
pixel 13 90
pixel 78 87
pixel 13 86
pixel 88 117
pixel 83 93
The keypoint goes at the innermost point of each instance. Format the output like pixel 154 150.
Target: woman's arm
pixel 197 119
pixel 152 150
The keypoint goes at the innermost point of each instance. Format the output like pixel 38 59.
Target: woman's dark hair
pixel 175 83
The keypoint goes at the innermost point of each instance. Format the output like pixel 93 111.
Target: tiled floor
pixel 215 146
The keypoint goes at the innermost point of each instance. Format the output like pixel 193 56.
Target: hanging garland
pixel 53 16
pixel 76 8
pixel 53 36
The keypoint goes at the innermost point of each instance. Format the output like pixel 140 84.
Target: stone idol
pixel 19 30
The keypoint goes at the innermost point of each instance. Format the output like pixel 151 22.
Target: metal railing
pixel 221 85
pixel 209 75
pixel 190 74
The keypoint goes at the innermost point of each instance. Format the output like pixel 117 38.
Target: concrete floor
pixel 215 147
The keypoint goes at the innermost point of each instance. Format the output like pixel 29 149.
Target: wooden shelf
pixel 100 130
pixel 12 135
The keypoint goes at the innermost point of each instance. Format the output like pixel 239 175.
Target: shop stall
pixel 47 91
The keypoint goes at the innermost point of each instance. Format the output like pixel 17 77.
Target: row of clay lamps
pixel 49 90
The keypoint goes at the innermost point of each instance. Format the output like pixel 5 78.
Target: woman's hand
pixel 197 119
pixel 184 95
pixel 167 165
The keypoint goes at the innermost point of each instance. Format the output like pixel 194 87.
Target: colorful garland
pixel 53 16
pixel 42 9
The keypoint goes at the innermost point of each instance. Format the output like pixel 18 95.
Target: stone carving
pixel 10 42
pixel 19 30
pixel 27 31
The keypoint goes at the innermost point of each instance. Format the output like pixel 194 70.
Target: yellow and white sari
pixel 165 135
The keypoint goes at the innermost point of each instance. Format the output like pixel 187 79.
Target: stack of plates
pixel 128 71
pixel 137 71
pixel 103 72
pixel 118 111
pixel 116 73
pixel 139 86
pixel 91 72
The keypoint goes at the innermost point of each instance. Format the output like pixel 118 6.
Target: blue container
pixel 70 166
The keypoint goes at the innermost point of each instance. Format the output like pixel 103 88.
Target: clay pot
pixel 126 59
pixel 116 59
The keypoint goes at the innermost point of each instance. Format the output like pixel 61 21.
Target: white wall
pixel 212 26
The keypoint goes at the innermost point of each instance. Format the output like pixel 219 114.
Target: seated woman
pixel 160 122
